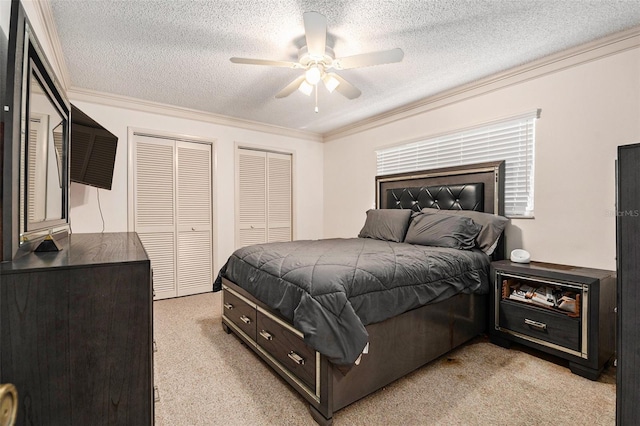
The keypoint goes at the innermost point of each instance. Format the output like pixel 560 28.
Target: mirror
pixel 44 148
pixel 44 170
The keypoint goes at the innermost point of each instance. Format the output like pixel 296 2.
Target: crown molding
pixel 569 58
pixel 125 102
pixel 45 15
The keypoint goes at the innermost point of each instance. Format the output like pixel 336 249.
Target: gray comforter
pixel 331 289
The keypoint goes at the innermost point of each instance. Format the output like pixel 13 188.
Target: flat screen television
pixel 93 151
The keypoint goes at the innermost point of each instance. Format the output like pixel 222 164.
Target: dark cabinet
pixel 564 310
pixel 628 255
pixel 77 332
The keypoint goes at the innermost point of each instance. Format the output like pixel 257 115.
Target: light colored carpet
pixel 207 377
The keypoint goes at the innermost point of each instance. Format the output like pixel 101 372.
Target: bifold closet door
pixel 264 197
pixel 195 254
pixel 154 186
pixel 251 169
pixel 172 184
pixel 278 197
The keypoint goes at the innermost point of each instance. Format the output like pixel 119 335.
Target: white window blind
pixel 512 140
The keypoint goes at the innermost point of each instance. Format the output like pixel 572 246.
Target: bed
pixel 337 346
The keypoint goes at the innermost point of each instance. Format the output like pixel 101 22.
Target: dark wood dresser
pixel 628 256
pixel 77 332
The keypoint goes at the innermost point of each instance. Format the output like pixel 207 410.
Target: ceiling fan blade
pixel 315 29
pixel 345 88
pixel 291 87
pixel 249 61
pixel 369 59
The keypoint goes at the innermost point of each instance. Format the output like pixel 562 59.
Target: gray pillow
pixel 441 230
pixel 386 224
pixel 492 226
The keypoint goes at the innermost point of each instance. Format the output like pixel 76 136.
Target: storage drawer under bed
pixel 241 313
pixel 287 348
pixel 274 338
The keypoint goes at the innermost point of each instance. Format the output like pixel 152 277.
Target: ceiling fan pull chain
pixel 316 86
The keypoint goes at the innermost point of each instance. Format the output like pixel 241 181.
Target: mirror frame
pixel 17 238
pixel 36 66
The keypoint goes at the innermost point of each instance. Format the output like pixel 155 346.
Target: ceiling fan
pixel 318 59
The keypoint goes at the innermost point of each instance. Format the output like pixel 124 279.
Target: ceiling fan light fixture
pixel 315 58
pixel 330 82
pixel 305 88
pixel 313 75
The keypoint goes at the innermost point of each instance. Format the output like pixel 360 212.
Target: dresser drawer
pixel 539 323
pixel 241 313
pixel 287 348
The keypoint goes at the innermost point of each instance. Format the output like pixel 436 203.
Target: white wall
pixel 307 172
pixel 587 111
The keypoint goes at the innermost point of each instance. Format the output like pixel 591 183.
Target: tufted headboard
pixel 470 187
pixel 468 196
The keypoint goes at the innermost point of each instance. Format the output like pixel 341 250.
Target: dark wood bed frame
pixel 403 343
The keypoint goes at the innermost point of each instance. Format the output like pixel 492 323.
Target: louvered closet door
pixel 279 197
pixel 264 197
pixel 195 253
pixel 251 178
pixel 154 183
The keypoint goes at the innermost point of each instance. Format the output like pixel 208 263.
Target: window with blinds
pixel 511 140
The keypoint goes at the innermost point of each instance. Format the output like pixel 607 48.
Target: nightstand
pixel 566 311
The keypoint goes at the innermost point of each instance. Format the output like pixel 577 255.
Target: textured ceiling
pixel 177 51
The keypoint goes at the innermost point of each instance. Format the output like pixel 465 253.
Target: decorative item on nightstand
pixel 520 256
pixel 563 310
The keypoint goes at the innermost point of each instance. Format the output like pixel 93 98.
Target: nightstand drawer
pixel 541 324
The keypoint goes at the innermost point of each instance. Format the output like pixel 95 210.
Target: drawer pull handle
pixel 266 334
pixel 535 324
pixel 228 306
pixel 245 319
pixel 296 358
